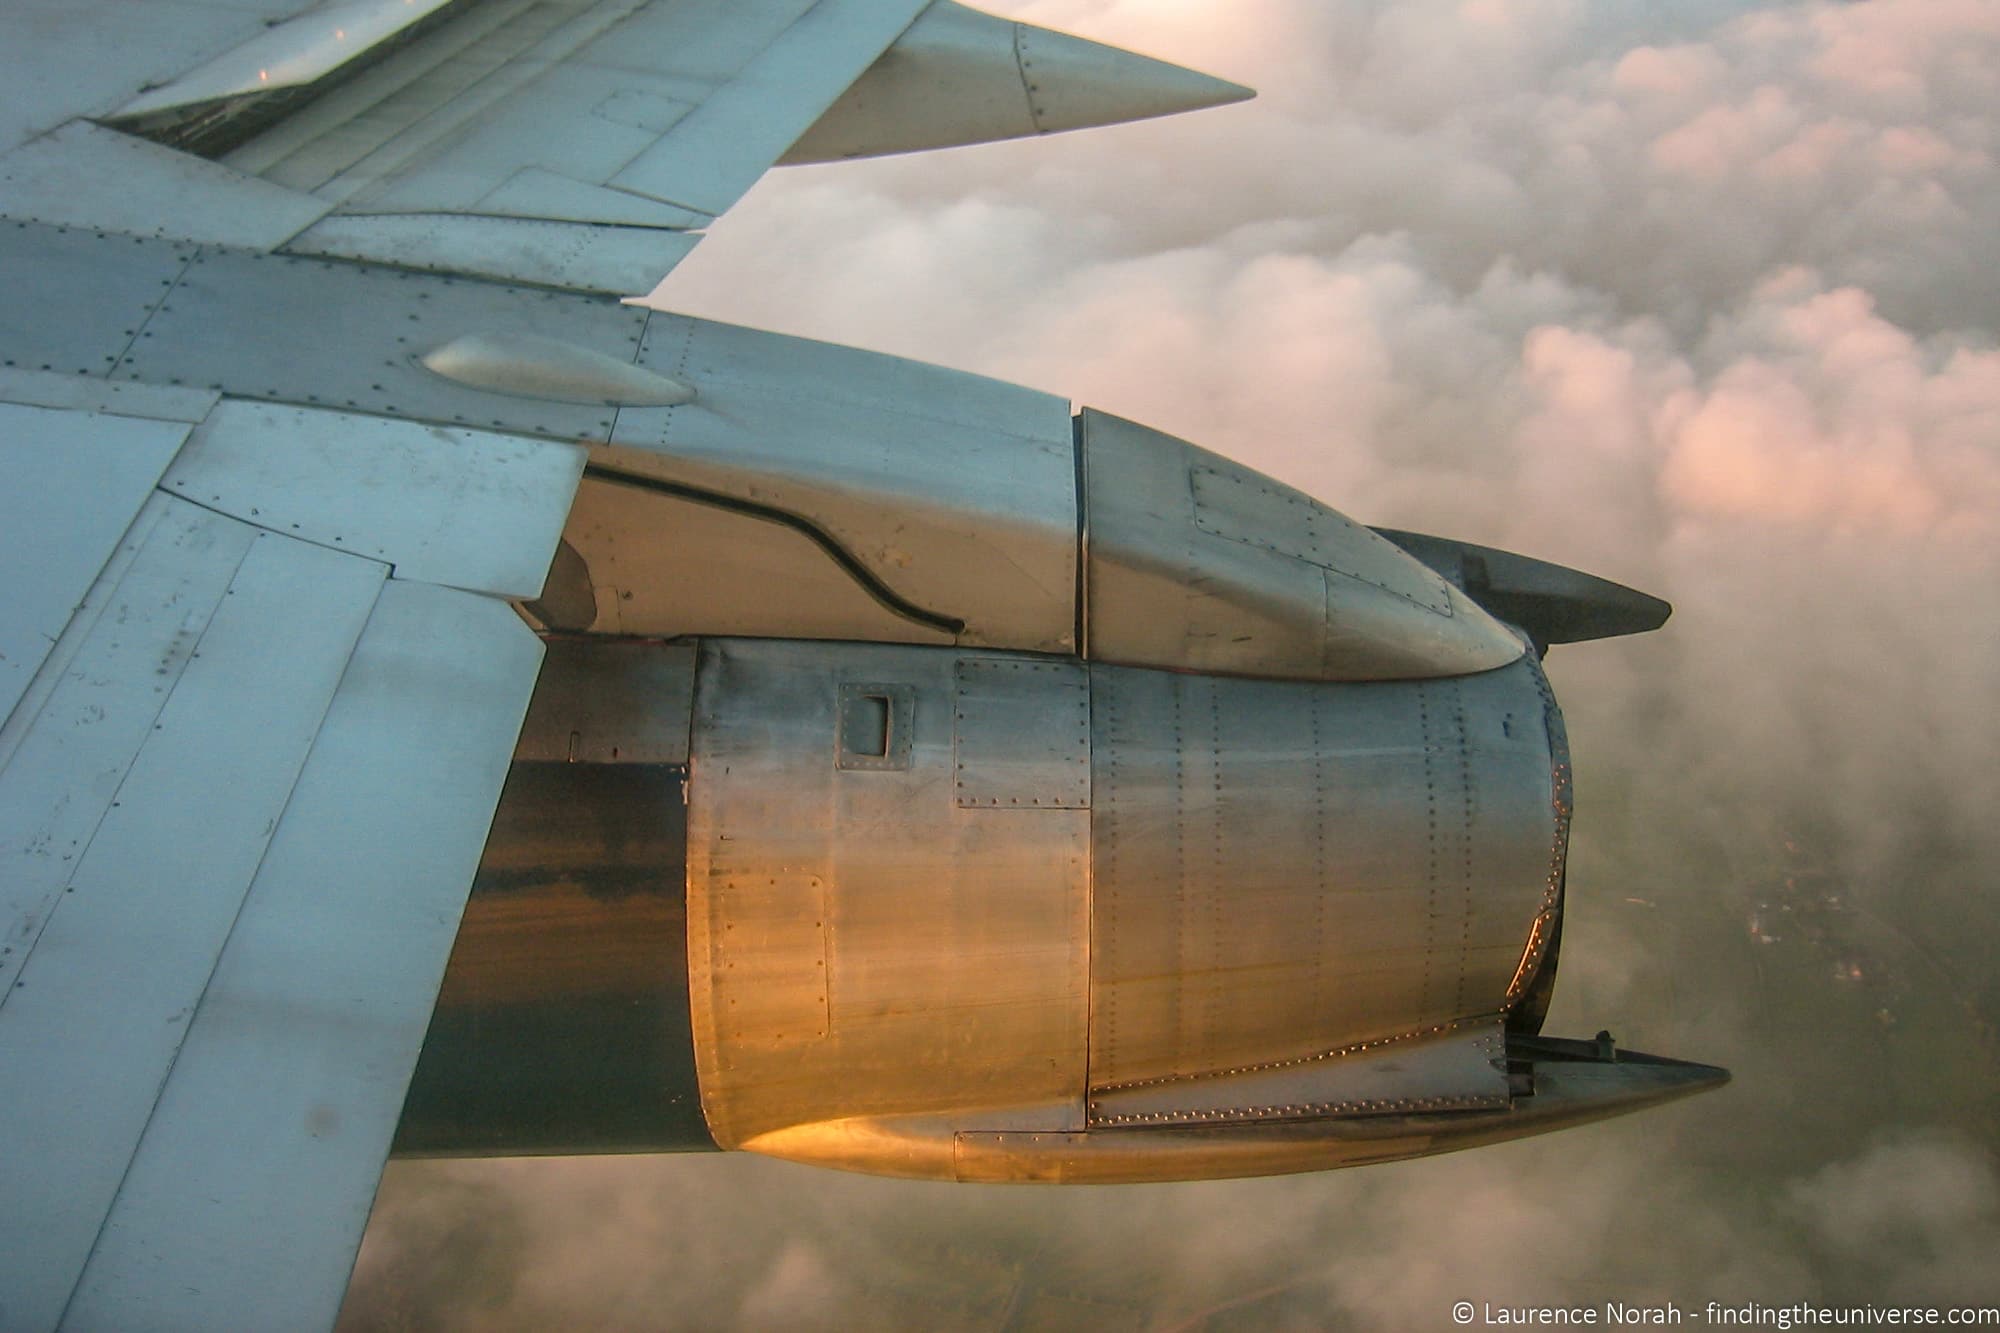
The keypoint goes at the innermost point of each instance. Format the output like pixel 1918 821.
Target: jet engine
pixel 1252 864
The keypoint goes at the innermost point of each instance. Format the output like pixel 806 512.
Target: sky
pixel 1701 297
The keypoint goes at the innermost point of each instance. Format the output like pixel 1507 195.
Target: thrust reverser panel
pixel 1284 869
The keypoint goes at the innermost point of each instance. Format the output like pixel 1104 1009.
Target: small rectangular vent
pixel 875 725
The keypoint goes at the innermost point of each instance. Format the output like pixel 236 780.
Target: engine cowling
pixel 979 915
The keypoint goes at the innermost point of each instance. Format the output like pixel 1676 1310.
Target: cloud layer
pixel 1700 297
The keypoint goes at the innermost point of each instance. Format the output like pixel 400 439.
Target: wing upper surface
pixel 264 1147
pixel 576 143
pixel 242 795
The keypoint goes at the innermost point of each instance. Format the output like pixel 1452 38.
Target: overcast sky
pixel 1700 296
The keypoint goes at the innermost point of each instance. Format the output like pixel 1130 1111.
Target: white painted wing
pixel 244 786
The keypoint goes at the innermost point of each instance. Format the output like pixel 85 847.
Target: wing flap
pixel 568 142
pixel 293 1073
pixel 241 801
pixel 572 89
pixel 98 1011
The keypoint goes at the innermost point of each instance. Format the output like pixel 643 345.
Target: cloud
pixel 1917 1215
pixel 1699 297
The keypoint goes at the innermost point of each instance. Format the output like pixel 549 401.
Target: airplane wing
pixel 246 781
pixel 261 670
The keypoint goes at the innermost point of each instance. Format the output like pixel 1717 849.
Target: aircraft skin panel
pixel 86 175
pixel 369 327
pixel 577 121
pixel 712 158
pixel 323 992
pixel 96 1014
pixel 1278 922
pixel 887 457
pixel 539 192
pixel 673 106
pixel 75 483
pixel 468 509
pixel 148 402
pixel 315 142
pixel 827 934
pixel 1198 561
pixel 456 112
pixel 77 310
pixel 701 42
pixel 69 748
pixel 805 371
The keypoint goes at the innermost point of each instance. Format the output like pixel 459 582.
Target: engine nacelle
pixel 969 914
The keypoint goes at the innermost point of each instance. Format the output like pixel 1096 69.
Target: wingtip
pixel 1074 83
pixel 961 76
pixel 1230 93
